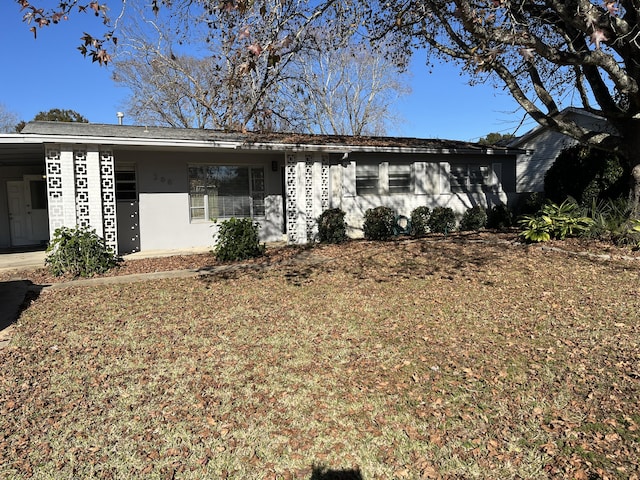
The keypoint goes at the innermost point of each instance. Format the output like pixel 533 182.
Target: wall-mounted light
pixel 274 165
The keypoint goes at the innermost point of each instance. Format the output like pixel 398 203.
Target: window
pixel 367 179
pixel 399 178
pixel 38 190
pixel 383 178
pixel 224 191
pixel 470 178
pixel 126 185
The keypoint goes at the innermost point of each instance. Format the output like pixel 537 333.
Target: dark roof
pixel 248 138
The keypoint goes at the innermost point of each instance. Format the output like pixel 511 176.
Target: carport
pixel 24 221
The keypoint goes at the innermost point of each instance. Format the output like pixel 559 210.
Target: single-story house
pixel 541 146
pixel 148 188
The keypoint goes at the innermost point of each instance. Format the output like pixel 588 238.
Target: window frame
pixel 384 178
pixel 367 183
pixel 405 188
pixel 126 189
pixel 470 177
pixel 255 189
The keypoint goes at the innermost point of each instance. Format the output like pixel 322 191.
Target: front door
pixel 37 211
pixel 18 220
pixel 28 218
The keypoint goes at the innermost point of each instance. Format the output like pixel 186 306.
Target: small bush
pixel 419 221
pixel 80 252
pixel 331 226
pixel 238 239
pixel 499 217
pixel 475 218
pixel 379 223
pixel 442 220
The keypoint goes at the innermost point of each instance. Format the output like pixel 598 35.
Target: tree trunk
pixel 634 192
pixel 630 149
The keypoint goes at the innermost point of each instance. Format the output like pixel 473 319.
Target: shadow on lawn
pixel 322 473
pixel 446 257
pixel 15 297
pixel 409 259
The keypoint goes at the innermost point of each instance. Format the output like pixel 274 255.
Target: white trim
pixel 237 145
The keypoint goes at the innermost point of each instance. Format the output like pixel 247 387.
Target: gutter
pixel 241 145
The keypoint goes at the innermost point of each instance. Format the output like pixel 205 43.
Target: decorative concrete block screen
pixel 307 190
pixel 81 190
pixel 292 198
pixel 108 190
pixel 80 170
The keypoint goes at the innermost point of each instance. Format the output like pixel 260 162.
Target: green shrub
pixel 586 174
pixel 379 223
pixel 555 221
pixel 331 226
pixel 80 252
pixel 499 217
pixel 535 228
pixel 419 221
pixel 610 222
pixel 237 239
pixel 475 218
pixel 442 220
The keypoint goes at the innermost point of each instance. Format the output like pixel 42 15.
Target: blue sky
pixel 48 72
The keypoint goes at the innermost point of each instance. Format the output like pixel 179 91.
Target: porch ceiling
pixel 19 154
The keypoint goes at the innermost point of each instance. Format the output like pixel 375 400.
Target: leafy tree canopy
pixel 60 115
pixel 55 115
pixel 495 138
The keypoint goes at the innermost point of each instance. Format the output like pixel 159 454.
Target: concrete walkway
pixel 22 260
pixel 28 260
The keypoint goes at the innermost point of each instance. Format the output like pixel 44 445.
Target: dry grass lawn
pixel 412 359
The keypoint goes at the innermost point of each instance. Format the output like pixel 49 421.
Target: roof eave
pixel 250 146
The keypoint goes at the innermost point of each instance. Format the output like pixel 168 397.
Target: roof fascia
pixel 241 145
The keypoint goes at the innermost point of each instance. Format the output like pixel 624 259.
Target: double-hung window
pixel 399 178
pixel 224 191
pixel 383 178
pixel 470 178
pixel 367 179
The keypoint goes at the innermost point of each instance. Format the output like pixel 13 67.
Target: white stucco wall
pixel 163 187
pixel 431 189
pixel 314 184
